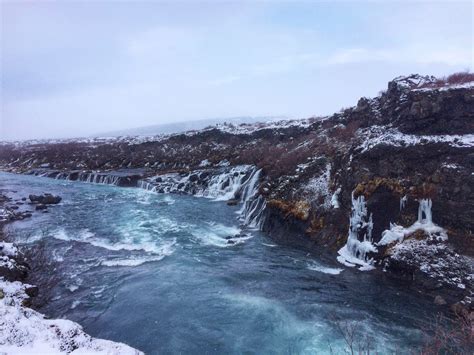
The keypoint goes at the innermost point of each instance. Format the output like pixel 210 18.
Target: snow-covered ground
pixel 377 135
pixel 25 331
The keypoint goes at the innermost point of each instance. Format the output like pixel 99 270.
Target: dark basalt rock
pixel 32 291
pixel 233 202
pixel 46 199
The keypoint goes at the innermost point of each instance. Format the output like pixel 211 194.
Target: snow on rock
pixel 204 163
pixel 318 187
pixel 377 135
pixel 425 252
pixel 355 252
pixel 8 254
pixel 8 249
pixel 417 82
pixel 432 258
pixel 398 233
pixel 414 81
pixel 23 330
pixel 249 128
pixel 335 198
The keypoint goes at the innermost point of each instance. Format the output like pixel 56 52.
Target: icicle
pixel 403 201
pixel 424 209
pixel 355 251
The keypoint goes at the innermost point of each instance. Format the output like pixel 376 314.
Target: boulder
pixel 46 199
pixel 232 202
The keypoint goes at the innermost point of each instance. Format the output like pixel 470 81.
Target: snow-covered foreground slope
pixel 23 330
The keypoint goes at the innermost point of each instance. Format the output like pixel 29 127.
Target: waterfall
pixel 249 190
pixel 253 204
pixel 225 186
pixel 354 253
pixel 146 185
pixel 252 216
pixel 239 183
pixel 95 178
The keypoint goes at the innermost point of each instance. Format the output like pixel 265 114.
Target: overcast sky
pixel 77 68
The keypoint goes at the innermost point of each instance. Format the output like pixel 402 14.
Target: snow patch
pixel 319 187
pixel 378 135
pixel 335 198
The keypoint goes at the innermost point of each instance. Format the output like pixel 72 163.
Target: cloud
pixel 90 66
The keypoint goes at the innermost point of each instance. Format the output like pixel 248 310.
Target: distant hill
pixel 184 126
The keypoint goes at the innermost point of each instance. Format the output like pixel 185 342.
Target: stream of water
pixel 178 274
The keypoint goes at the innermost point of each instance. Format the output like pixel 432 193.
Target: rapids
pixel 179 274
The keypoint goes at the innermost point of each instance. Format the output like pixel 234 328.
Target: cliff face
pixel 364 173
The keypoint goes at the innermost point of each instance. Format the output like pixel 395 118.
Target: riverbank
pixel 23 329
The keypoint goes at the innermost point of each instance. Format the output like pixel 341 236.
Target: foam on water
pixel 220 235
pixel 324 269
pixel 133 261
pixel 129 244
pixel 270 245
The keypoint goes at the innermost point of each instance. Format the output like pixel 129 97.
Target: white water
pixel 224 186
pixel 324 269
pixel 93 178
pixel 219 299
pixel 221 187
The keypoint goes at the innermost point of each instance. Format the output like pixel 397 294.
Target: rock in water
pixel 46 199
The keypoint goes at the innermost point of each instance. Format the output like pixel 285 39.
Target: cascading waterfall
pixel 146 185
pixel 239 182
pixel 95 178
pixel 252 216
pixel 253 204
pixel 249 190
pixel 354 253
pixel 224 186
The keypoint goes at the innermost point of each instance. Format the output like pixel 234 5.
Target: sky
pixel 75 68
